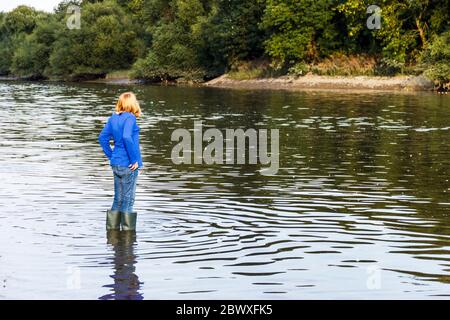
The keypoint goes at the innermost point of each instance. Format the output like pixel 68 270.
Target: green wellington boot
pixel 128 221
pixel 112 220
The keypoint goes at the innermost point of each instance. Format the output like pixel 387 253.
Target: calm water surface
pixel 360 207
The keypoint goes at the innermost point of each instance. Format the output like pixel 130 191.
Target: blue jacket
pixel 123 129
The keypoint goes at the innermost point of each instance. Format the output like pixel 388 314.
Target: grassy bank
pixel 338 71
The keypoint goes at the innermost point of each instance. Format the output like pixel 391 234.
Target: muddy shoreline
pixel 307 82
pixel 397 83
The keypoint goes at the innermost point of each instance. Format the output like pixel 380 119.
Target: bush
pixel 436 59
pixel 152 69
pixel 299 69
pixel 439 73
pixel 255 69
pixel 389 67
pixel 342 65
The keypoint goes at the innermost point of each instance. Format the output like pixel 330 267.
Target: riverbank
pixel 396 83
pixel 315 82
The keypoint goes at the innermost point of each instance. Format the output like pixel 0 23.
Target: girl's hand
pixel 133 166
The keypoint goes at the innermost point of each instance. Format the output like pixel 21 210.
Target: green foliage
pixel 299 29
pixel 106 41
pixel 299 69
pixel 14 28
pixel 406 27
pixel 437 58
pixel 166 40
pixel 6 53
pixel 231 33
pixel 254 69
pixel 21 19
pixel 31 57
pixel 174 50
pixel 35 44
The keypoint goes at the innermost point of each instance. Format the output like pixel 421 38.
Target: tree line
pixel 195 40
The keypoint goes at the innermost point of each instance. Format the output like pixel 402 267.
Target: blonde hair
pixel 128 103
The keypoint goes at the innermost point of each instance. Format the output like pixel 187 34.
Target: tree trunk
pixel 421 32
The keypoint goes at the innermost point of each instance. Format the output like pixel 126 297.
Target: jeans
pixel 124 189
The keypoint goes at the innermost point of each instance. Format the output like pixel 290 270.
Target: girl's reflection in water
pixel 126 283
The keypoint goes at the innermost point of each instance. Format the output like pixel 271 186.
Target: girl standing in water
pixel 125 160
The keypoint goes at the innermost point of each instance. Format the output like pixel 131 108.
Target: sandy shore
pixel 398 83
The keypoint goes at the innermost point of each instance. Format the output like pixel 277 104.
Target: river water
pixel 359 209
